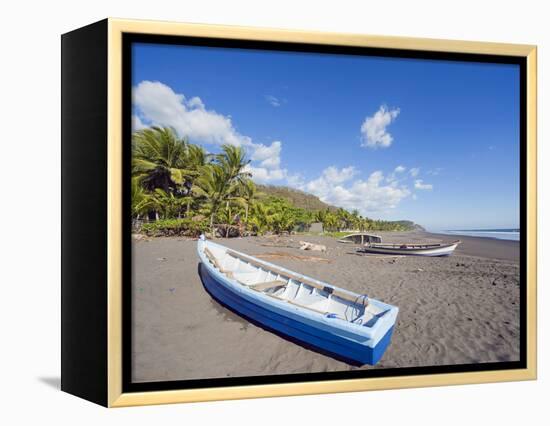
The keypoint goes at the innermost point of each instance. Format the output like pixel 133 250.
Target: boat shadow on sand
pixel 271 330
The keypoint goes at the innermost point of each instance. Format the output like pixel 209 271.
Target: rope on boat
pixel 357 310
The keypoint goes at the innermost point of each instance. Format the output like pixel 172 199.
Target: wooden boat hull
pixel 434 251
pixel 301 327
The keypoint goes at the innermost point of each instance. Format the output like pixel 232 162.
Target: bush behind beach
pixel 174 227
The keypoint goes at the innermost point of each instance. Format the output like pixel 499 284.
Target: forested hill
pixel 311 203
pixel 409 225
pixel 297 198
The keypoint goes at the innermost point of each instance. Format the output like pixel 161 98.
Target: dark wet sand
pixel 453 310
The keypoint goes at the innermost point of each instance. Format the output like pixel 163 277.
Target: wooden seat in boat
pixel 361 300
pixel 268 285
pixel 214 262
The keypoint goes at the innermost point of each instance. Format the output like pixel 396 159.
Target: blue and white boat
pixel 331 320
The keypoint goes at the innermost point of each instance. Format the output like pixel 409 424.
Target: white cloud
pixel 367 196
pixel 272 163
pixel 339 176
pixel 373 129
pixel 158 104
pixel 269 156
pixel 398 175
pixel 329 179
pixel 265 175
pixel 266 161
pixel 137 124
pixel 295 180
pixel 196 102
pixel 419 184
pixel 414 171
pixel 273 101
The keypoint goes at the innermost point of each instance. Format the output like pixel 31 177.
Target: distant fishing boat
pixel 360 238
pixel 442 249
pixel 336 322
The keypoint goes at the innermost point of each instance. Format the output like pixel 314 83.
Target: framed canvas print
pixel 251 212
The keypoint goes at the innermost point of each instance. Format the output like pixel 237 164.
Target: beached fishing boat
pixel 339 323
pixel 443 249
pixel 360 238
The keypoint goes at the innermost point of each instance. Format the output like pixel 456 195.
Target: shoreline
pixel 443 235
pixel 486 247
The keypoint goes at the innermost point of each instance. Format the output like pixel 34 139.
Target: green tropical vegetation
pixel 296 197
pixel 180 189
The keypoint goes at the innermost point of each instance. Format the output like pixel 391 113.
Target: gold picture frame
pixel 116 28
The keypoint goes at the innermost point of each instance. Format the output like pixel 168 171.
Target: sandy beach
pixel 453 310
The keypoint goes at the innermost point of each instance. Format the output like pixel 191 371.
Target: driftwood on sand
pixel 283 255
pixel 304 245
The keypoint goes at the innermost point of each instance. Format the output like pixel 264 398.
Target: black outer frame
pixel 84 143
pixel 127 40
pixel 84 212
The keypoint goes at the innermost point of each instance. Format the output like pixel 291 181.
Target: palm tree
pixel 188 201
pixel 168 204
pixel 233 161
pixel 195 158
pixel 355 219
pixel 142 202
pixel 260 218
pixel 321 214
pixel 213 186
pixel 159 158
pixel 248 193
pixel 282 220
pixel 330 221
pixel 220 181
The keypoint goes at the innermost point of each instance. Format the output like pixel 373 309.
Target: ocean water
pixel 501 234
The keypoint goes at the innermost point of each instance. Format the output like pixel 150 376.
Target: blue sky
pixel 436 142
